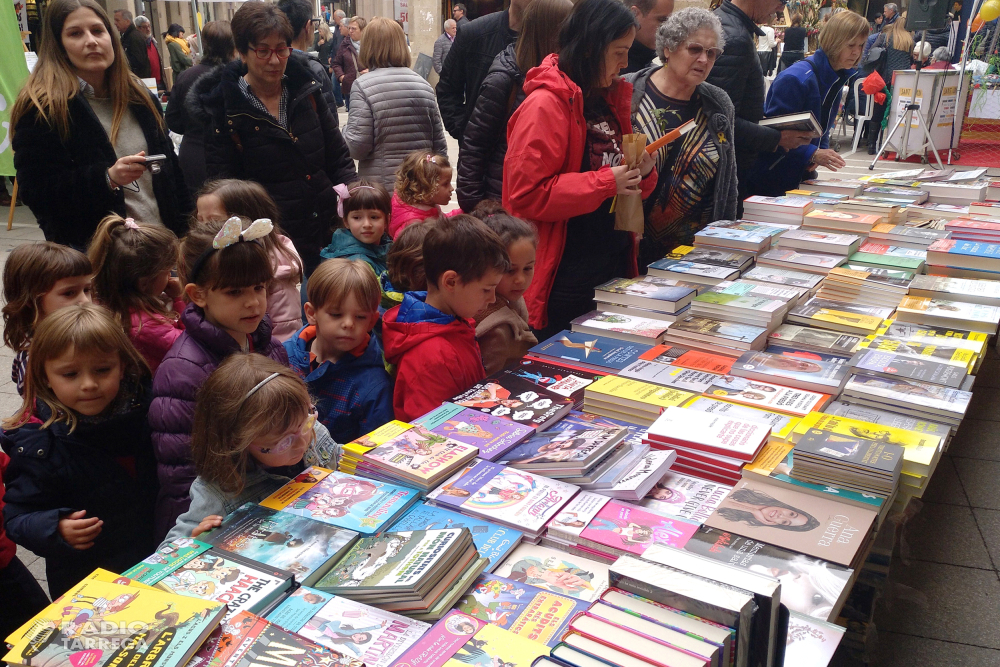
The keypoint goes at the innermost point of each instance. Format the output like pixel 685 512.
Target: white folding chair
pixel 861 118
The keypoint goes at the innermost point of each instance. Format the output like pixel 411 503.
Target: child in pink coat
pixel 423 185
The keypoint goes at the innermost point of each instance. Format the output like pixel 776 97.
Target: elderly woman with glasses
pixel 814 84
pixel 266 120
pixel 697 172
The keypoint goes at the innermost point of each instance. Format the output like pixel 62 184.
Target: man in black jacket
pixel 737 71
pixel 134 44
pixel 299 13
pixel 650 13
pixel 472 53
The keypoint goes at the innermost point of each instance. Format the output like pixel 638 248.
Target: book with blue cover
pixel 589 351
pixel 492 541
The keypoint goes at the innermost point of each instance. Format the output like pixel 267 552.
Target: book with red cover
pixel 708 432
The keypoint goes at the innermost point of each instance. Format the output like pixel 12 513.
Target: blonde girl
pixel 423 186
pixel 254 429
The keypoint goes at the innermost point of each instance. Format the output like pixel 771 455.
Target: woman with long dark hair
pixel 756 508
pixel 218 48
pixel 564 168
pixel 83 126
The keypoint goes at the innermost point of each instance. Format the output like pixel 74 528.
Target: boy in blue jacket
pixel 336 354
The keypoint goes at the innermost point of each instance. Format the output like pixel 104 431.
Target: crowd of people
pixel 196 329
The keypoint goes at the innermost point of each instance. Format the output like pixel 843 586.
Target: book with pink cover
pixel 441 642
pixel 621 527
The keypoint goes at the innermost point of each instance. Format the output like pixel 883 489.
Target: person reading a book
pixel 697 172
pixel 564 164
pixel 755 508
pixel 255 428
pixel 430 338
pixel 813 84
pixel 336 354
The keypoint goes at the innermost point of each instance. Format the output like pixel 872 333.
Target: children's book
pixel 588 351
pixel 685 497
pixel 302 546
pixel 557 378
pixel 166 559
pixel 361 633
pixel 420 457
pixel 564 453
pixel 515 398
pixel 493 646
pixel 525 610
pixel 492 541
pixel 97 623
pixel 556 571
pixel 492 435
pixel 346 501
pixel 442 641
pixel 621 528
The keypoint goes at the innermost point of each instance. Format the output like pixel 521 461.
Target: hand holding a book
pixel 829 158
pixel 80 532
pixel 208 523
pixel 792 139
pixel 627 180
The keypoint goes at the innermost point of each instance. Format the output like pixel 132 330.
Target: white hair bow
pixel 233 232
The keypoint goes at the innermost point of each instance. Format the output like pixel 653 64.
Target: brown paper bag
pixel 628 208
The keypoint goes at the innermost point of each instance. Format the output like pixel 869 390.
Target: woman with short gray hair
pixel 697 173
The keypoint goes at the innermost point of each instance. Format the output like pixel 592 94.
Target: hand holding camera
pixel 129 168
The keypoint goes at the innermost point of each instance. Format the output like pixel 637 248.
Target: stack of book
pixel 716 335
pixel 745 303
pixel 811 339
pixel 877 255
pixel 751 237
pixel 507 496
pixel 668 374
pixel 949 314
pixel 892 420
pixel 936 336
pixel 516 398
pixel 929 211
pixel 813 240
pixel 859 464
pixel 839 316
pixel 969 229
pixel 808 372
pixel 708 445
pixel 910 195
pixel 907 237
pixel 417 573
pixel 808 262
pixel 695 272
pixel 778 210
pixel 865 286
pixel 908 397
pixel 708 253
pixel 842 221
pixel 956 194
pixel 987 209
pixel 629 327
pixel 647 296
pixel 886 212
pixel 822 201
pixel 631 400
pixel 986 292
pixel 955 355
pixel 961 259
pixel 841 186
pixel 562 453
pixel 775 397
pixel 781 424
pixel 783 277
pixel 597 354
pixel 416 457
pixel 493 435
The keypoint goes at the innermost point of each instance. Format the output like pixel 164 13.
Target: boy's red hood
pixel 400 337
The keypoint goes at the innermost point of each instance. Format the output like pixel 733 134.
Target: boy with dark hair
pixel 431 338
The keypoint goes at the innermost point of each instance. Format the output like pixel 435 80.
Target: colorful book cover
pixel 693 269
pixel 302 546
pixel 561 446
pixel 798 402
pixel 523 609
pixel 709 234
pixel 557 379
pixel 868 318
pixel 421 453
pixel 958 287
pixel 715 328
pixel 556 571
pixel 97 623
pixel 167 558
pixel 442 641
pixel 672 355
pixel 685 497
pixel 492 541
pixel 752 289
pixel 809 586
pixel 647 287
pixel 817 218
pixel 913 263
pixel 934 335
pixel 885 418
pixel 966 248
pixel 767 274
pixel 796 204
pixel 301 605
pixel 576 514
pixel 654 396
pixel 492 435
pixel 819 527
pixel 590 349
pixel 841 450
pixel 628 528
pixel 884 362
pixel 780 368
pixel 362 633
pixel 621 323
pixel 877 277
pixel 515 398
pixel 781 424
pixel 576 420
pixel 493 646
pixel 362 505
pixel 392 561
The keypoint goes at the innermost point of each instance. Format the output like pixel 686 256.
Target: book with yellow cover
pixel 97 623
pixel 843 320
pixel 635 394
pixel 770 456
pixel 944 353
pixel 921 450
pixel 492 645
pixel 972 340
pixel 354 451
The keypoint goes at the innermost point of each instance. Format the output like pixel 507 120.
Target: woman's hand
pixel 207 524
pixel 829 158
pixel 627 180
pixel 127 169
pixel 792 139
pixel 646 164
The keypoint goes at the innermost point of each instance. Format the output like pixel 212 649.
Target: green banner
pixel 13 72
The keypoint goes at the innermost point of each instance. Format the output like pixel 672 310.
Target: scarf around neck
pixel 181 42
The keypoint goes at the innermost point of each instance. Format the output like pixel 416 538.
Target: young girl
pixel 38 279
pixel 502 329
pixel 219 200
pixel 365 207
pixel 254 430
pixel 226 283
pixel 81 481
pixel 132 264
pixel 423 186
pixel 404 265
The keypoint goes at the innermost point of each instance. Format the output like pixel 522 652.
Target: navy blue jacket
pixel 808 85
pixel 106 469
pixel 354 395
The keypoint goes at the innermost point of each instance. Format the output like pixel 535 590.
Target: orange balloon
pixel 977 23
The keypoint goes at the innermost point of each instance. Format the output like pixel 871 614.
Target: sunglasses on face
pixel 695 50
pixel 286 442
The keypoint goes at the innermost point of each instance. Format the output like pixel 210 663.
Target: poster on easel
pixel 937 94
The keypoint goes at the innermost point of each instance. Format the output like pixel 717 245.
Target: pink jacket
pixel 152 335
pixel 284 302
pixel 404 215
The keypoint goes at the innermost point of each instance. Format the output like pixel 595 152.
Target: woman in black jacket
pixel 83 126
pixel 484 142
pixel 266 120
pixel 219 49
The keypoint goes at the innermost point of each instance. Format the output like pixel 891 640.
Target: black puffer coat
pixel 484 143
pixel 65 183
pixel 298 166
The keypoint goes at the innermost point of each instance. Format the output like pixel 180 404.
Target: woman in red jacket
pixel 562 168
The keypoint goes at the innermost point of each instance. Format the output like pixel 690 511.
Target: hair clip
pixel 430 158
pixel 130 224
pixel 233 232
pixel 344 193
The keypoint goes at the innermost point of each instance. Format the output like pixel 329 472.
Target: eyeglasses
pixel 264 53
pixel 695 50
pixel 286 442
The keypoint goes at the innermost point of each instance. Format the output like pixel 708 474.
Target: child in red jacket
pixel 430 337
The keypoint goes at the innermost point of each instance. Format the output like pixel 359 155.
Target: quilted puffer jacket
pixel 393 113
pixel 484 143
pixel 193 357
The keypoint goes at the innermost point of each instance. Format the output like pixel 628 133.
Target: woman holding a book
pixel 697 172
pixel 815 85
